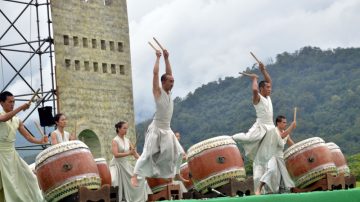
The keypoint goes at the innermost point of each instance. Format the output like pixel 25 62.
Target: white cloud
pixel 211 39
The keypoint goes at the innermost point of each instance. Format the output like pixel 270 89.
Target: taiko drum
pixel 158 184
pixel 104 171
pixel 213 162
pixel 62 168
pixel 339 159
pixel 185 173
pixel 309 161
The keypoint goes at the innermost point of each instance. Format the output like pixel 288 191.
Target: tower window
pixel 86 65
pixel 103 45
pixel 112 45
pixel 77 65
pixel 94 45
pixel 122 70
pixel 113 68
pixel 96 67
pixel 67 63
pixel 85 42
pixel 120 47
pixel 76 40
pixel 104 67
pixel 66 40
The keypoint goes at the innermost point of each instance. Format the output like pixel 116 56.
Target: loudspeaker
pixel 45 116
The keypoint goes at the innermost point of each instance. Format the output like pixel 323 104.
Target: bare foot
pixel 179 177
pixel 134 181
pixel 257 192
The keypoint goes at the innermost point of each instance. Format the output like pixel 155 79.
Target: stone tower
pixel 93 69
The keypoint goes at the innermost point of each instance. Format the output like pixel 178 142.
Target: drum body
pixel 158 184
pixel 308 161
pixel 62 168
pixel 185 173
pixel 213 162
pixel 104 171
pixel 338 158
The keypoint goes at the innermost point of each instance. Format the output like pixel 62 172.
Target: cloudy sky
pixel 211 39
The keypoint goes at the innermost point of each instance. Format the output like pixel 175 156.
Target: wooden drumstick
pixel 158 44
pixel 258 61
pixel 295 109
pixel 152 46
pixel 32 98
pixel 247 74
pixel 39 128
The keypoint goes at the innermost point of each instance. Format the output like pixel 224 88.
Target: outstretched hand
pixel 166 54
pixel 261 66
pixel 158 54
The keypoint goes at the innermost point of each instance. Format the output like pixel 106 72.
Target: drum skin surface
pixel 62 168
pixel 214 162
pixel 308 161
pixel 104 171
pixel 339 159
pixel 185 173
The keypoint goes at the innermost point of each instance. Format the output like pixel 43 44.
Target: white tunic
pixel 270 166
pixel 121 171
pixel 60 138
pixel 264 122
pixel 17 182
pixel 162 153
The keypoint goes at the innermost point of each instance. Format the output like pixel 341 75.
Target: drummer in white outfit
pixel 17 182
pixel 276 178
pixel 162 153
pixel 60 135
pixel 264 122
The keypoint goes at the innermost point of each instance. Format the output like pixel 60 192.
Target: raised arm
pixel 255 89
pixel 289 130
pixel 156 84
pixel 9 115
pixel 264 72
pixel 167 62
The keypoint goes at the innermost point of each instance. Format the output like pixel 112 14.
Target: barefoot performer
pixel 162 153
pixel 264 121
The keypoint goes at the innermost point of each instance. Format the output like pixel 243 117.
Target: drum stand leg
pixel 170 192
pixel 86 194
pixel 330 182
pixel 350 182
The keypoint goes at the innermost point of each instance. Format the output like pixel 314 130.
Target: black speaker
pixel 45 116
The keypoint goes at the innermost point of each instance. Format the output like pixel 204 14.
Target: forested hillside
pixel 323 84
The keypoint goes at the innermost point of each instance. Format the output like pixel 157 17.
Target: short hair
pixel 119 125
pixel 164 77
pixel 262 84
pixel 279 119
pixel 57 117
pixel 4 95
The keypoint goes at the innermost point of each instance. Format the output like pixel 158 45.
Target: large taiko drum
pixel 213 162
pixel 339 159
pixel 309 161
pixel 62 168
pixel 158 184
pixel 185 173
pixel 104 171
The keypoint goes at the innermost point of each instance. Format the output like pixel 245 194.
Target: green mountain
pixel 323 84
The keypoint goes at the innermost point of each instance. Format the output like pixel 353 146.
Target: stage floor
pixel 350 195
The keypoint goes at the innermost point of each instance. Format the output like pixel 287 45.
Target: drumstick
pixel 37 91
pixel 295 109
pixel 246 74
pixel 258 61
pixel 39 128
pixel 152 46
pixel 158 44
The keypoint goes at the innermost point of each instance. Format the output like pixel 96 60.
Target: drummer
pixel 162 153
pixel 264 120
pixel 276 178
pixel 17 181
pixel 60 135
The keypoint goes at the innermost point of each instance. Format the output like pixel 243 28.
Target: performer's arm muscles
pixel 289 130
pixel 9 115
pixel 27 135
pixel 255 90
pixel 168 69
pixel 290 141
pixel 156 85
pixel 53 138
pixel 264 72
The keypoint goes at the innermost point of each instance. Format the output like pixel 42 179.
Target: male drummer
pixel 17 182
pixel 276 178
pixel 264 121
pixel 162 153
